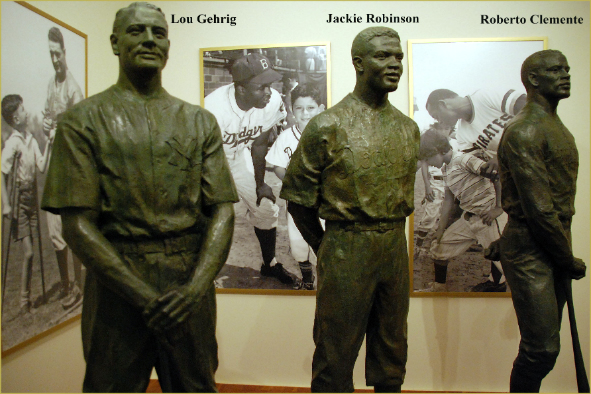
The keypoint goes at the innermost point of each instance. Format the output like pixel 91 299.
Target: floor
pixel 154 387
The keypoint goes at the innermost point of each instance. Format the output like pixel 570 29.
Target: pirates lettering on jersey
pixel 493 129
pixel 243 137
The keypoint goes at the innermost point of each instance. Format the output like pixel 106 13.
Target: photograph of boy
pixel 479 196
pixel 306 104
pixel 21 157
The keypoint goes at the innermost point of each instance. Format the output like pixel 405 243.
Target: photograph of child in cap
pixel 248 90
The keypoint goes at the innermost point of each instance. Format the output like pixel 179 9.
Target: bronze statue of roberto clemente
pixel 355 167
pixel 146 196
pixel 538 167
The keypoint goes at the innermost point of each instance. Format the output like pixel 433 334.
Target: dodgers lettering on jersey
pixel 288 152
pixel 283 147
pixel 244 137
pixel 383 152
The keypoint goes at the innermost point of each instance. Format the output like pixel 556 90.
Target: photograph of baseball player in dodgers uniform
pixel 249 92
pixel 469 101
pixel 44 64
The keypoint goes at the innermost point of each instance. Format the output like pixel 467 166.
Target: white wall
pixel 455 344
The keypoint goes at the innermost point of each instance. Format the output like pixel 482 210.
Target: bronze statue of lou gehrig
pixel 146 197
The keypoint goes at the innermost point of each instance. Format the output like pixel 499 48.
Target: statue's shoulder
pixel 202 117
pixel 401 116
pixel 405 121
pixel 344 109
pixel 329 118
pixel 95 101
pixel 85 109
pixel 185 105
pixel 527 124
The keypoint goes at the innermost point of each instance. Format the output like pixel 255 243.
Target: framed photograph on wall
pixel 254 91
pixel 462 92
pixel 44 72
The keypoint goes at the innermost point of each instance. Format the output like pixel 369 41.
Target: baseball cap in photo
pixel 254 68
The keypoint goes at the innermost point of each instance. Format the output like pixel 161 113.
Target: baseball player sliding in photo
pixel 247 111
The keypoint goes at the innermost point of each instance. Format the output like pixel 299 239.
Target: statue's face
pixel 58 57
pixel 553 77
pixel 142 40
pixel 382 64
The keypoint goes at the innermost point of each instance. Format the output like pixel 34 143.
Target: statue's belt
pixel 380 226
pixel 513 220
pixel 187 242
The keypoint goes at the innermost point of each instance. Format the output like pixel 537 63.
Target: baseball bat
pixel 582 381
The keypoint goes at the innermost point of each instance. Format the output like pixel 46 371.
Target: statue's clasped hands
pixel 170 309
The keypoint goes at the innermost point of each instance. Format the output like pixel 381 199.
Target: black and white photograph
pixel 262 98
pixel 462 94
pixel 43 74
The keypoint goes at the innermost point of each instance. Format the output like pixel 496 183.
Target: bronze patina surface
pixel 145 193
pixel 538 166
pixel 355 167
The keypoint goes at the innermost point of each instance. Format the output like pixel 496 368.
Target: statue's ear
pixel 114 44
pixel 358 64
pixel 532 77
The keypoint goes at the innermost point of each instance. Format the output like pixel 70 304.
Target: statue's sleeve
pixel 217 184
pixel 523 154
pixel 73 178
pixel 303 178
